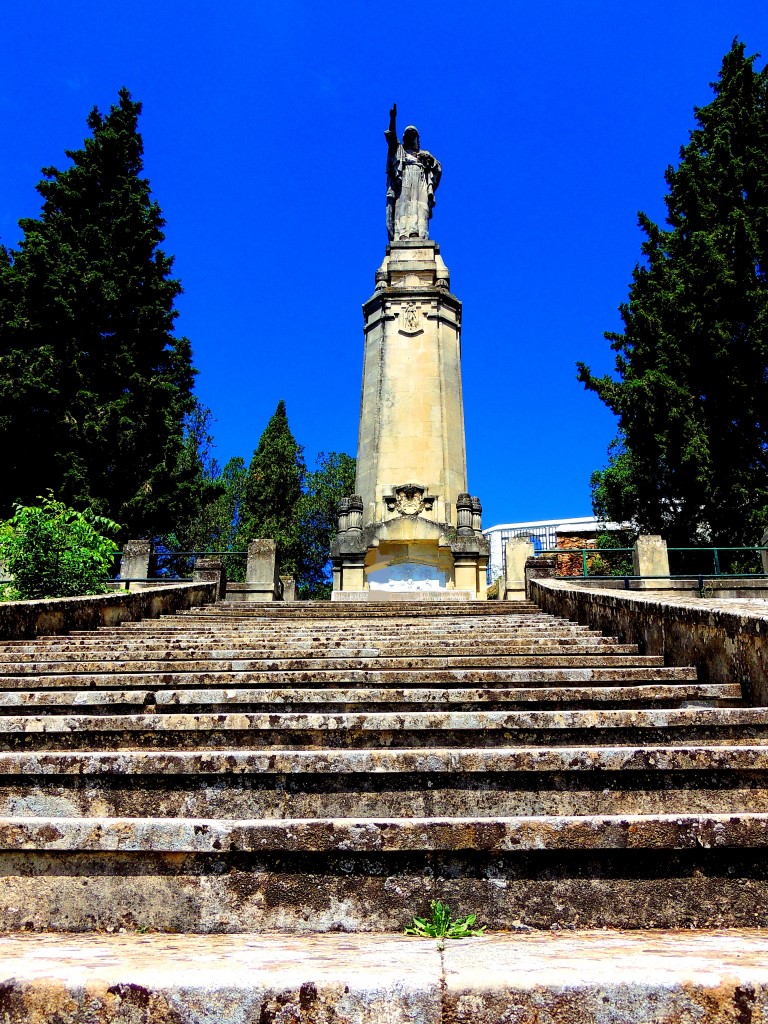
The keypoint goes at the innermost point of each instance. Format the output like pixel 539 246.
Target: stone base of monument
pixel 411 554
pixel 425 596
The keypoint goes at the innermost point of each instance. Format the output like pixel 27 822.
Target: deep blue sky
pixel 263 128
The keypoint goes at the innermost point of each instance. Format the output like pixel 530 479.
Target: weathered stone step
pixel 346 890
pixel 369 610
pixel 304 764
pixel 415 794
pixel 456 617
pixel 594 977
pixel 394 729
pixel 596 675
pixel 11 701
pixel 328 663
pixel 342 635
pixel 365 835
pixel 72 651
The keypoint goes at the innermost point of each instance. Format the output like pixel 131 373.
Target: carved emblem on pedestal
pixel 410 319
pixel 409 500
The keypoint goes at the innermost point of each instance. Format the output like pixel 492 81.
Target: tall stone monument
pixel 412 525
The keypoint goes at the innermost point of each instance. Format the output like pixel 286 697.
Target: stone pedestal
pixel 516 553
pixel 210 569
pixel 262 576
pixel 411 526
pixel 134 562
pixel 650 558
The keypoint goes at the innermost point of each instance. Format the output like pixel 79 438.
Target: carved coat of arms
pixel 409 500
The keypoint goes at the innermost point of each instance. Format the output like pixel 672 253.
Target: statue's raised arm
pixel 391 133
pixel 413 175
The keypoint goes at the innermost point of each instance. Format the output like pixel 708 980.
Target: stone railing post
pixel 210 569
pixel 517 551
pixel 262 574
pixel 650 558
pixel 134 561
pixel 289 588
pixel 764 554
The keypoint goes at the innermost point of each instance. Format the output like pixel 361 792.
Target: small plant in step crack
pixel 443 926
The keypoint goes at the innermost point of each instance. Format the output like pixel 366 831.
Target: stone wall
pixel 728 642
pixel 573 565
pixel 24 620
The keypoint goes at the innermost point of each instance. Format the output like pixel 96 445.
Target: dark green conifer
pixel 273 489
pixel 94 386
pixel 691 394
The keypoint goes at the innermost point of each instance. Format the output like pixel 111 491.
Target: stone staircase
pixel 311 768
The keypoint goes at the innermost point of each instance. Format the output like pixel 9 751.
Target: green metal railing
pixel 179 564
pixel 702 562
pixel 587 554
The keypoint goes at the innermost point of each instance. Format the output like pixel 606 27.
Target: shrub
pixel 54 551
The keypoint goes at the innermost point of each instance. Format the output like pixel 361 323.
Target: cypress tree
pixel 94 386
pixel 691 459
pixel 273 488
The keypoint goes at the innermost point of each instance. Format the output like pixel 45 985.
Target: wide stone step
pixel 145 790
pixel 370 610
pixel 453 617
pixel 693 759
pixel 367 835
pixel 343 636
pixel 379 891
pixel 590 978
pixel 176 650
pixel 367 677
pixel 328 664
pixel 214 875
pixel 361 698
pixel 254 730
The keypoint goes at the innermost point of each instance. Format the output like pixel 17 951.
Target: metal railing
pixel 179 564
pixel 702 562
pixel 583 557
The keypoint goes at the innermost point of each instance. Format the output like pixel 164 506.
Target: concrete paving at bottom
pixel 546 978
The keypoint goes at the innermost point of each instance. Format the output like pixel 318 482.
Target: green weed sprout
pixel 443 926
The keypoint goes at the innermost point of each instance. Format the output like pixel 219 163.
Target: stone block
pixel 517 551
pixel 262 574
pixel 650 558
pixel 134 562
pixel 210 570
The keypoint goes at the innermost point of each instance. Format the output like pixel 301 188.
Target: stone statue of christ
pixel 413 175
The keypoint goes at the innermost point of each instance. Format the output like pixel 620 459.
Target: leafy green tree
pixel 332 479
pixel 691 458
pixel 272 492
pixel 94 387
pixel 54 551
